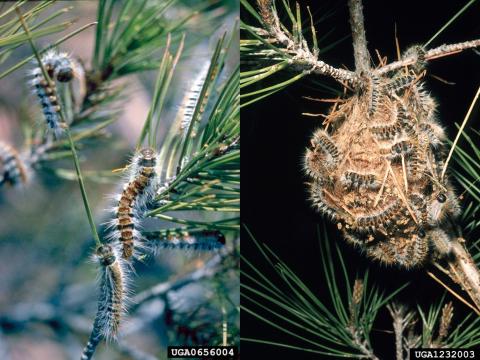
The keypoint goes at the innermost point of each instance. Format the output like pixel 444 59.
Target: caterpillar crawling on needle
pixel 137 192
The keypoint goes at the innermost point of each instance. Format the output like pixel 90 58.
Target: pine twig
pixel 464 271
pixel 298 51
pixel 438 52
pixel 356 331
pixel 401 320
pixel 360 51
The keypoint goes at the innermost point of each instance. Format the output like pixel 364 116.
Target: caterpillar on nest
pixel 183 240
pixel 62 68
pixel 143 181
pixel 113 297
pixel 13 170
pixel 385 147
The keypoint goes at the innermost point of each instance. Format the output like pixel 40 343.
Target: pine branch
pixel 295 47
pixel 432 54
pixel 360 51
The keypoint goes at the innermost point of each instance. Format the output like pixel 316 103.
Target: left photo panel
pixel 119 179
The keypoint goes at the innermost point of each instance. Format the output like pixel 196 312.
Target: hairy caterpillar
pixel 113 297
pixel 190 101
pixel 60 67
pixel 354 180
pixel 406 119
pixel 387 132
pixel 142 185
pixel 200 240
pixel 409 251
pixel 399 84
pixel 12 168
pixel 377 218
pixel 317 198
pixel 47 94
pixel 434 134
pixel 375 95
pixel 401 148
pixel 323 155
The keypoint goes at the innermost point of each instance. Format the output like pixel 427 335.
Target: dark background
pixel 275 134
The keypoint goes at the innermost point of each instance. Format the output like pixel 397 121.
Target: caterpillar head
pixel 105 255
pixel 442 203
pixel 147 157
pixel 418 53
pixel 65 74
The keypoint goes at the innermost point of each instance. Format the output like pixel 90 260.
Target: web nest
pixel 378 172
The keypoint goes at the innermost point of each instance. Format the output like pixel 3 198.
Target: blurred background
pixel 48 293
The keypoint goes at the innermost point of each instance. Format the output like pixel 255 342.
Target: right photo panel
pixel 360 179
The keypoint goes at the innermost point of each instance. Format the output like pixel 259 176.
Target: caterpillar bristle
pixel 387 132
pixel 434 134
pixel 418 52
pixel 114 290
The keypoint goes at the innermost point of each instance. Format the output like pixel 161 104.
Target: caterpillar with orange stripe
pixel 113 298
pixel 140 189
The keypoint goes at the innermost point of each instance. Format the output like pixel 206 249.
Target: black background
pixel 275 134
